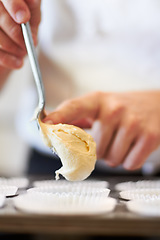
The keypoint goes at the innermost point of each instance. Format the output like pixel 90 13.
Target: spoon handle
pixel 34 64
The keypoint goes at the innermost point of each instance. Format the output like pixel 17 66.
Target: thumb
pixel 18 10
pixel 75 109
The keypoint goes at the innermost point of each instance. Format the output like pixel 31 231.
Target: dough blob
pixel 75 147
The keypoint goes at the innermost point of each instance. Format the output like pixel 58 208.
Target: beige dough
pixel 75 147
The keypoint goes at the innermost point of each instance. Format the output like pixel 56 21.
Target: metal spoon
pixel 39 111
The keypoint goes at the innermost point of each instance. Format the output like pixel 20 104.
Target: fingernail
pixel 20 16
pixel 109 163
pixel 35 2
pixel 127 165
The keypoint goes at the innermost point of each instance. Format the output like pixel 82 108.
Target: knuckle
pixel 132 126
pixel 6 46
pixel 15 31
pixel 73 105
pixel 114 112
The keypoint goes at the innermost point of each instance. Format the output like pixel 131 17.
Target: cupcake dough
pixel 75 147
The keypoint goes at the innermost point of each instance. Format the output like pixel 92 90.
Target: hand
pixel 126 126
pixel 12 47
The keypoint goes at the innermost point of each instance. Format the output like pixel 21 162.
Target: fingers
pixel 131 145
pixel 18 10
pixel 12 14
pixel 7 45
pixel 10 27
pixel 102 135
pixel 122 142
pixel 140 151
pixel 10 53
pixel 73 110
pixel 10 62
pixel 104 130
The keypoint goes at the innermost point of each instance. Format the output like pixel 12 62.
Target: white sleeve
pixel 48 23
pixel 27 129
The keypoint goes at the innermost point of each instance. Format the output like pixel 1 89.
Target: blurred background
pixel 84 46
